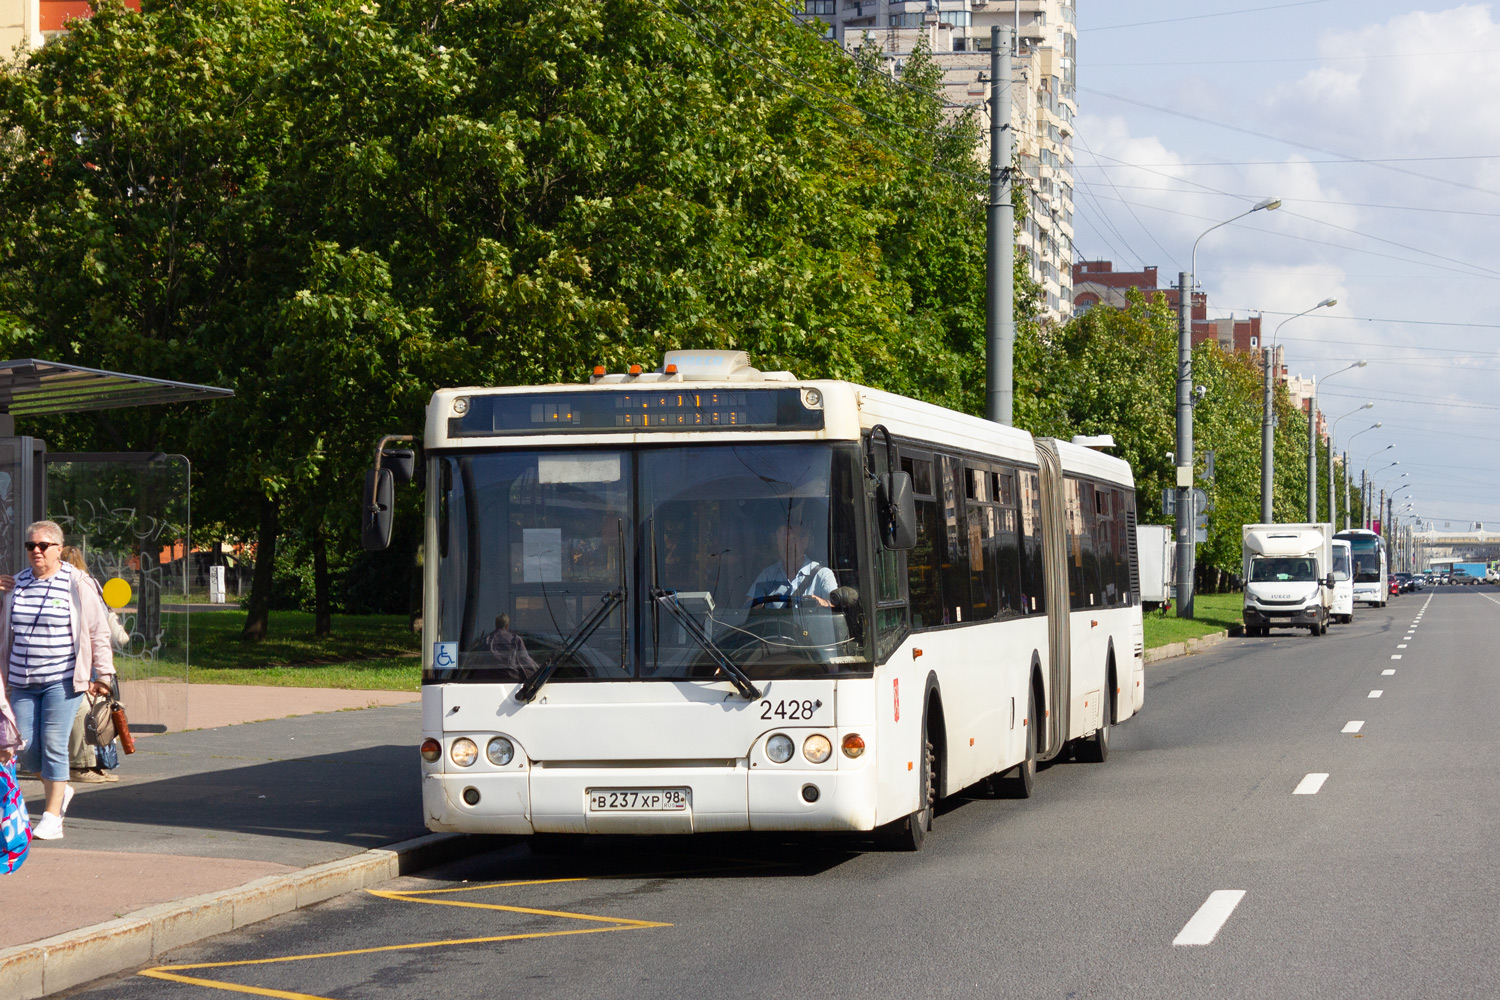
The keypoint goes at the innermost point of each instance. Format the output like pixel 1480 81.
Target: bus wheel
pixel 908 833
pixel 1019 781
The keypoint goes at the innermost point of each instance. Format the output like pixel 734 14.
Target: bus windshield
pixel 1280 569
pixel 651 564
pixel 1341 570
pixel 1366 552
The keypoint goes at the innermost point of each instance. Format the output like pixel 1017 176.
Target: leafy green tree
pixel 335 207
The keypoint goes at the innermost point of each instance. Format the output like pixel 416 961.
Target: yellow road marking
pixel 172 972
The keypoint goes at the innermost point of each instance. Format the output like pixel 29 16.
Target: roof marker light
pixel 635 369
pixel 598 371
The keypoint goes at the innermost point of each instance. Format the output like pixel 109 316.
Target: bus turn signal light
pixel 854 746
pixel 432 750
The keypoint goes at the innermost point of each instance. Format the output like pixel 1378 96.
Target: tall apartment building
pixel 1043 98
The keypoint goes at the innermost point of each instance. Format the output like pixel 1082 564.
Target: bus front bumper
pixel 719 799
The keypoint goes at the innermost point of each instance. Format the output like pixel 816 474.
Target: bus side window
pixel 1124 508
pixel 924 560
pixel 957 602
pixel 1033 574
pixel 1008 549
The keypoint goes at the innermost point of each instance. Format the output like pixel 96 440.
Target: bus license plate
pixel 637 799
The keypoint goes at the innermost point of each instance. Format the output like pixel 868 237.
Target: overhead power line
pixel 1200 17
pixel 1284 141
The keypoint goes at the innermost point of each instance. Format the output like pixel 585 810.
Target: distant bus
pixel 612 643
pixel 1371 581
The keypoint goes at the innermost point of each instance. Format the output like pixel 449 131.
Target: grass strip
pixel 1212 613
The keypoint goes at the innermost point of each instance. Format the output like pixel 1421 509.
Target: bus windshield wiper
pixel 580 635
pixel 668 599
pixel 575 640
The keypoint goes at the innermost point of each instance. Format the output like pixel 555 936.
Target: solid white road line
pixel 1210 918
pixel 1310 784
pixel 1353 726
pixel 1376 693
pixel 1387 673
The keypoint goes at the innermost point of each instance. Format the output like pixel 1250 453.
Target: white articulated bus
pixel 710 598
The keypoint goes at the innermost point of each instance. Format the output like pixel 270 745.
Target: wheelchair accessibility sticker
pixel 444 655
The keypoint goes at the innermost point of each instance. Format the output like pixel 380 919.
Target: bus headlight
pixel 500 751
pixel 854 746
pixel 816 748
pixel 463 752
pixel 432 750
pixel 779 748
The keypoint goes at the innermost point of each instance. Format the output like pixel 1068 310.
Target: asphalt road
pixel 1381 883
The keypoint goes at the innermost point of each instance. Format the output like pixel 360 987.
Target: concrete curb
pixel 76 957
pixel 1175 649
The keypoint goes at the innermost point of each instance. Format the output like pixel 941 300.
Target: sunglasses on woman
pixel 34 546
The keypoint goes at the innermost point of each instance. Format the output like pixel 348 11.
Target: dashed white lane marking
pixel 1387 673
pixel 1400 645
pixel 1353 726
pixel 1376 693
pixel 1210 918
pixel 1395 656
pixel 1310 784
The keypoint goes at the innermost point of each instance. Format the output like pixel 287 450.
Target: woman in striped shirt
pixel 55 645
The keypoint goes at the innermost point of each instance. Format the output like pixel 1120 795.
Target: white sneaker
pixel 49 827
pixel 67 798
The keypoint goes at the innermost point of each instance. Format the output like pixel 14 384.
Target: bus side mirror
pixel 1329 583
pixel 379 502
pixel 898 511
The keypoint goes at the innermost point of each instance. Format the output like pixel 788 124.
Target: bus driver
pixel 778 584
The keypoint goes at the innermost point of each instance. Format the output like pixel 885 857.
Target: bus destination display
pixel 589 412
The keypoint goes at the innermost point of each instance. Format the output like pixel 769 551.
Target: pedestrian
pixel 83 762
pixel 55 644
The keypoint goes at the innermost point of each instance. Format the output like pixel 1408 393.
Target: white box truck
pixel 1156 555
pixel 1288 577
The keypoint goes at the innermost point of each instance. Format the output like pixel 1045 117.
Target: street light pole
pixel 1000 327
pixel 1267 436
pixel 1332 493
pixel 1312 449
pixel 1185 465
pixel 1349 479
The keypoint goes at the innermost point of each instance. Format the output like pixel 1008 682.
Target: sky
pixel 1378 125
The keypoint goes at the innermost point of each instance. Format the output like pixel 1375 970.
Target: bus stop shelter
pixel 130 514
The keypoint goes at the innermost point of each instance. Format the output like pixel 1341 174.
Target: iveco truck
pixel 1289 579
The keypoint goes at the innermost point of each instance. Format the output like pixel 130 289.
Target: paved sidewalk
pixel 273 804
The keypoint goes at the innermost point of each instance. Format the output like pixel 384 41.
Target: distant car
pixel 1403 580
pixel 1395 587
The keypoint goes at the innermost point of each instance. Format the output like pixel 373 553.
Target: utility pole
pixel 1312 457
pixel 1185 512
pixel 1348 482
pixel 1000 326
pixel 1267 444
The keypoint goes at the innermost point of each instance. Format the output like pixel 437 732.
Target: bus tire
pixel 909 832
pixel 1019 781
